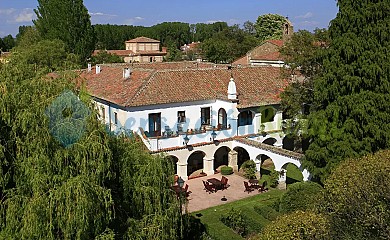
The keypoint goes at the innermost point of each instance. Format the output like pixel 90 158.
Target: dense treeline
pixel 168 33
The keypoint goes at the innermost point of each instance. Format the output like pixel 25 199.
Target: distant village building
pixel 4 56
pixel 141 49
pixel 267 54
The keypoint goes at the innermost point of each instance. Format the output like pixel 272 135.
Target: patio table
pixel 216 182
pixel 254 183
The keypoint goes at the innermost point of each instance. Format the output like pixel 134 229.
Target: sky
pixel 304 14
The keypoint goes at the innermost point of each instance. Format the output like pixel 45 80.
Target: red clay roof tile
pixel 151 84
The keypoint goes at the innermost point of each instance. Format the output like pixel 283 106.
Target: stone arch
pixel 266 164
pixel 174 161
pixel 270 141
pixel 292 173
pixel 195 162
pixel 221 156
pixel 242 156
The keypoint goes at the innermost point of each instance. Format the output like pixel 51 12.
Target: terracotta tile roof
pixel 276 42
pixel 123 53
pixel 142 40
pixel 241 61
pixel 273 56
pixel 168 65
pixel 110 85
pixel 256 86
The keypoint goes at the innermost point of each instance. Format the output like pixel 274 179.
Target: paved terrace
pixel 199 199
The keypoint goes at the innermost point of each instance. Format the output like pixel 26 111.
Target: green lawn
pixel 217 230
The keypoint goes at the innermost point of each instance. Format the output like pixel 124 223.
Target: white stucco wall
pixel 136 117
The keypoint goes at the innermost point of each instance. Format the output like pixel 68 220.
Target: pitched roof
pixel 256 86
pixel 276 42
pixel 273 56
pixel 142 40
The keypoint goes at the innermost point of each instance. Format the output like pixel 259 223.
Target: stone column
pixel 233 160
pixel 282 179
pixel 258 166
pixel 208 166
pixel 182 170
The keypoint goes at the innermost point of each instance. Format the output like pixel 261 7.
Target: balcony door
pixel 155 124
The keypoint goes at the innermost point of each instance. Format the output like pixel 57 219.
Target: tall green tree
pixel 68 21
pixel 9 43
pixel 352 94
pixel 227 45
pixel 302 55
pixel 270 26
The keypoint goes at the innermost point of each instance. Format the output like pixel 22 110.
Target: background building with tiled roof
pixel 165 103
pixel 141 49
pixel 267 53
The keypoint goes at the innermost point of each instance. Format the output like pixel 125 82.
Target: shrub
pixel 226 170
pixel 249 168
pixel 236 221
pixel 297 225
pixel 299 196
pixel 267 212
pixel 357 198
pixel 273 179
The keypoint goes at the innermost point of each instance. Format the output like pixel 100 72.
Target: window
pixel 103 113
pixel 205 116
pixel 222 120
pixel 115 118
pixel 245 118
pixel 181 116
pixel 267 115
pixel 155 124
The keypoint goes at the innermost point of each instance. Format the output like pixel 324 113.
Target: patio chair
pixel 247 187
pixel 224 181
pixel 186 190
pixel 209 188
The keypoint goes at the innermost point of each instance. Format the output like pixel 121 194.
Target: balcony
pixel 172 139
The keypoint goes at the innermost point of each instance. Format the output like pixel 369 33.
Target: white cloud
pixel 305 16
pixel 27 15
pixel 134 20
pixel 213 21
pixel 7 11
pixel 99 14
pixel 309 23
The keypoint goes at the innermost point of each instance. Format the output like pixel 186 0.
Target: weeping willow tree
pixel 100 186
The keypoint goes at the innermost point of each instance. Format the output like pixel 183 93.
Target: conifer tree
pixel 352 95
pixel 69 21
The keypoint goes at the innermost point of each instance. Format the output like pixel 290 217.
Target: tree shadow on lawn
pixel 194 228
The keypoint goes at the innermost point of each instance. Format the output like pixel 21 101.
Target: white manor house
pixel 202 115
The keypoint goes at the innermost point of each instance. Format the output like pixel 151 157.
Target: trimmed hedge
pixel 267 212
pixel 226 170
pixel 299 196
pixel 236 221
